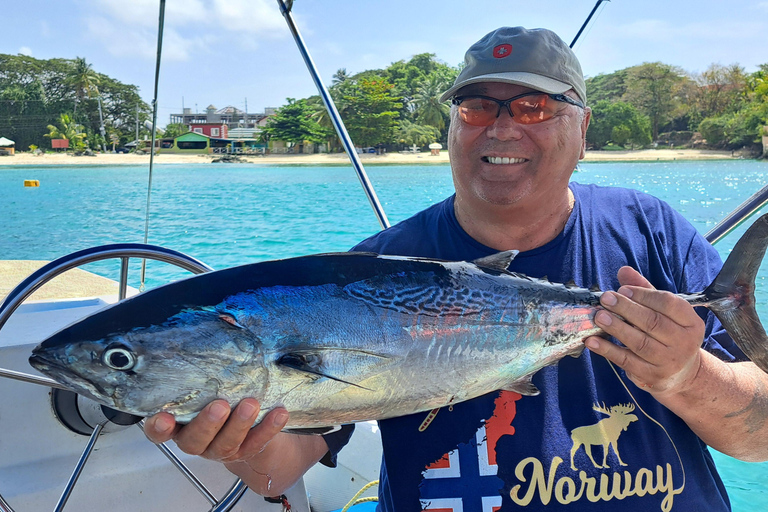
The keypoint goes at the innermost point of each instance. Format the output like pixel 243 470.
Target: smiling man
pixel 626 425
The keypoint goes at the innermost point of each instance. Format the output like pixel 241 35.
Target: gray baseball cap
pixel 535 58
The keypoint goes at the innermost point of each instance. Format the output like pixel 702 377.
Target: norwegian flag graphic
pixel 465 480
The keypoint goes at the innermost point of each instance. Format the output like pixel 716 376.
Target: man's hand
pixel 661 332
pixel 267 460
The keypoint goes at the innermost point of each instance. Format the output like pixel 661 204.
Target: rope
pixel 679 458
pixel 355 501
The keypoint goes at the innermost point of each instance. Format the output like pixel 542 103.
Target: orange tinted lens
pixel 533 109
pixel 478 111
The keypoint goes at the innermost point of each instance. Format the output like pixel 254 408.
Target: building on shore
pixel 234 118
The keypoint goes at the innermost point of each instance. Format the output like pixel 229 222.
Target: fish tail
pixel 731 296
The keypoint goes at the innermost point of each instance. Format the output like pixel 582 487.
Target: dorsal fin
pixel 595 288
pixel 571 284
pixel 498 261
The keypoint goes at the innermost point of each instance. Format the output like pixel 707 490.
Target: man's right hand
pixel 268 460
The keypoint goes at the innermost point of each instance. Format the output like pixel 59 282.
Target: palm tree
pixel 83 79
pixel 340 76
pixel 410 133
pixel 68 129
pixel 429 110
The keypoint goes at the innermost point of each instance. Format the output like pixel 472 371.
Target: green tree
pixel 409 133
pixel 83 80
pixel 294 123
pixel 372 113
pixel 609 87
pixel 429 109
pixel 339 76
pixel 721 90
pixel 48 92
pixel 617 122
pixel 173 130
pixel 67 129
pixel 651 88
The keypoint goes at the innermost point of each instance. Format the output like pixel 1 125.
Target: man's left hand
pixel 661 332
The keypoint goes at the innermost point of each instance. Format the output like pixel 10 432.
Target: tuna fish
pixel 339 338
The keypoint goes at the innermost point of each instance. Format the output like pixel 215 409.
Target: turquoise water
pixel 229 215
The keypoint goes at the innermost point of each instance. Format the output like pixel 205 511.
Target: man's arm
pixel 725 404
pixel 267 460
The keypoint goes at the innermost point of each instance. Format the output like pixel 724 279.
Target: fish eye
pixel 119 358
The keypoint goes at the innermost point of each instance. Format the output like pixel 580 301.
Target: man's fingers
pixel 195 437
pixel 631 277
pixel 620 356
pixel 226 445
pixel 659 315
pixel 260 435
pixel 161 427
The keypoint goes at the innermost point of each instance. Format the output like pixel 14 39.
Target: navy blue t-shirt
pixel 591 440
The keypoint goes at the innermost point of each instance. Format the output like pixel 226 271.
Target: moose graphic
pixel 605 432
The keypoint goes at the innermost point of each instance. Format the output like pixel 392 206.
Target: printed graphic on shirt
pixel 465 479
pixel 604 433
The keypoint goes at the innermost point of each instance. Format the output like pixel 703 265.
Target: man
pixel 624 426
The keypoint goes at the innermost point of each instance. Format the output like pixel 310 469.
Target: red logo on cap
pixel 503 50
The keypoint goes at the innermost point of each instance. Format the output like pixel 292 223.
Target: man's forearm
pixel 726 405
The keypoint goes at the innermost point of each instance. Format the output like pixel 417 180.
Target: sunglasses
pixel 527 108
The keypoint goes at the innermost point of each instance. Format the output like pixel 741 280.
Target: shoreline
pixel 113 159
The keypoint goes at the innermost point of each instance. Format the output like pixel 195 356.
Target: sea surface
pixel 233 214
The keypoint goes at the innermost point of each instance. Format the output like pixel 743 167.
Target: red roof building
pixel 213 130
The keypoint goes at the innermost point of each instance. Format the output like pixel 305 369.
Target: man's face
pixel 541 157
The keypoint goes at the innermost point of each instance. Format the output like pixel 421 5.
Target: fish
pixel 340 338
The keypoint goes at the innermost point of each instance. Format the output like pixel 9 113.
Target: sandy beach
pixel 644 155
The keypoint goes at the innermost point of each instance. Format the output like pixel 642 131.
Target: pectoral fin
pixel 341 365
pixel 524 386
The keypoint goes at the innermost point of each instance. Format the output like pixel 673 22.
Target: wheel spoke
pixel 79 468
pixel 184 470
pixel 33 379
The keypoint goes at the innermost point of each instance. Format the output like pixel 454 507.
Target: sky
pixel 238 52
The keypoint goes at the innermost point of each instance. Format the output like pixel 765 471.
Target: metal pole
pixel 738 216
pixel 587 21
pixel 184 470
pixel 32 379
pixel 335 117
pixel 161 23
pixel 79 468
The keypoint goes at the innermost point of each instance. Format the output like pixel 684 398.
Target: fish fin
pixel 576 352
pixel 498 261
pixel 316 431
pixel 524 386
pixel 312 364
pixel 731 296
pixel 595 288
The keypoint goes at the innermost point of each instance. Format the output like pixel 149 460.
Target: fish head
pixel 178 366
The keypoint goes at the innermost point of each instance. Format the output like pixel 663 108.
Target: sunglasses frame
pixel 457 100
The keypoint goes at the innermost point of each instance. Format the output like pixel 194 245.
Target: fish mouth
pixel 69 379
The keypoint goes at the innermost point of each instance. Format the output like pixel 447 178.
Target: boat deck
pixel 74 283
